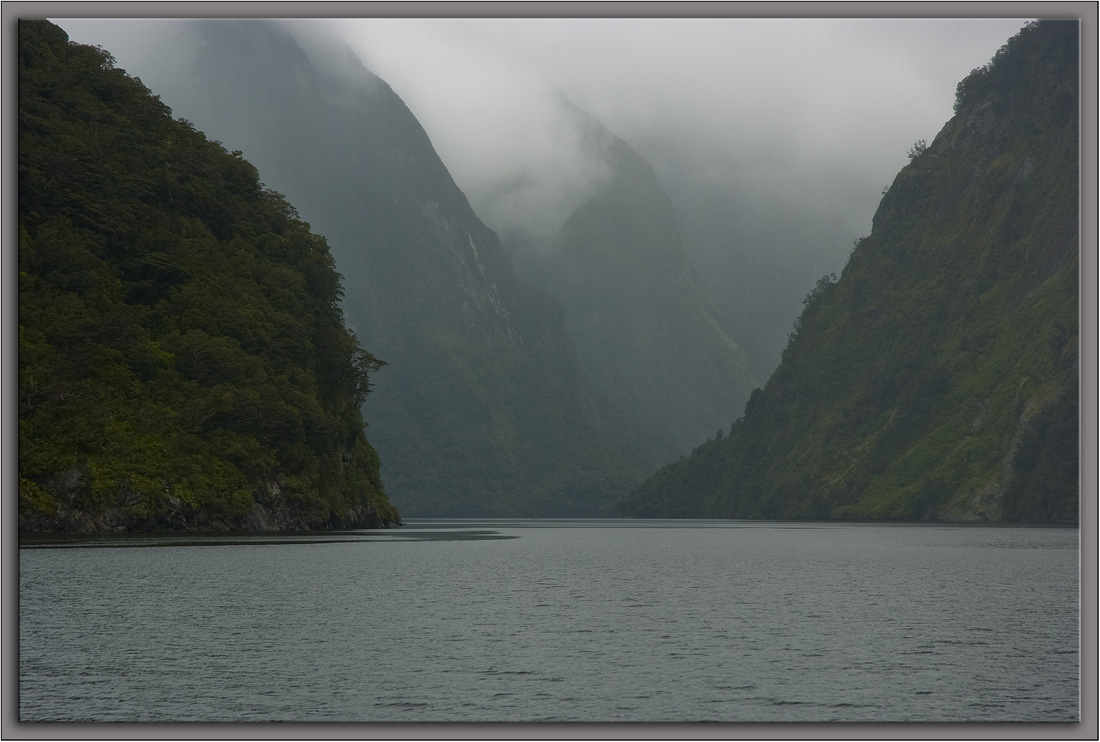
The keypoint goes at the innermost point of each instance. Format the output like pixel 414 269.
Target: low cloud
pixel 821 111
pixel 496 122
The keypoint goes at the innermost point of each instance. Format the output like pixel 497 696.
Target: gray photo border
pixel 1086 12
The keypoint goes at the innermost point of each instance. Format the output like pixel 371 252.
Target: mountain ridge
pixel 910 385
pixel 649 335
pixel 480 410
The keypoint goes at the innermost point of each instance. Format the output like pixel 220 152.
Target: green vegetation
pixel 937 378
pixel 183 361
pixel 481 410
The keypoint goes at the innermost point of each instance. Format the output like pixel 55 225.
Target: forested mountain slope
pixel 649 337
pixel 938 378
pixel 183 361
pixel 480 409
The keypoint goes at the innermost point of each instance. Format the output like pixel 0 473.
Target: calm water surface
pixel 555 621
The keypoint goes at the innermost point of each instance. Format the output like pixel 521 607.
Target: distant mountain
pixel 481 409
pixel 756 252
pixel 649 335
pixel 183 361
pixel 938 378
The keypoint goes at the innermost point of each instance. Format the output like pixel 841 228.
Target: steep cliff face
pixel 480 410
pixel 183 361
pixel 938 378
pixel 648 334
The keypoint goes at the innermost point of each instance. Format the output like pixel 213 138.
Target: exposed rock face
pixel 271 511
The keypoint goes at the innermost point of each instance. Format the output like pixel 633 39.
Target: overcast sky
pixel 818 110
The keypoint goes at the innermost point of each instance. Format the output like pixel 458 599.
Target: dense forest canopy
pixel 938 377
pixel 183 360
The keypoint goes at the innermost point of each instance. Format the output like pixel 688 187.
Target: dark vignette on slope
pixel 183 361
pixel 938 378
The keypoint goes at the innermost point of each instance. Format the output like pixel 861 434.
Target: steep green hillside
pixel 649 337
pixel 183 361
pixel 938 378
pixel 480 410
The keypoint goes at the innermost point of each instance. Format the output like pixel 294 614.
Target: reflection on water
pixel 273 538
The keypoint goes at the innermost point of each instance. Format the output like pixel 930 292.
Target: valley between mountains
pixel 252 296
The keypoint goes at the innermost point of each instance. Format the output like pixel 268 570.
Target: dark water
pixel 556 621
